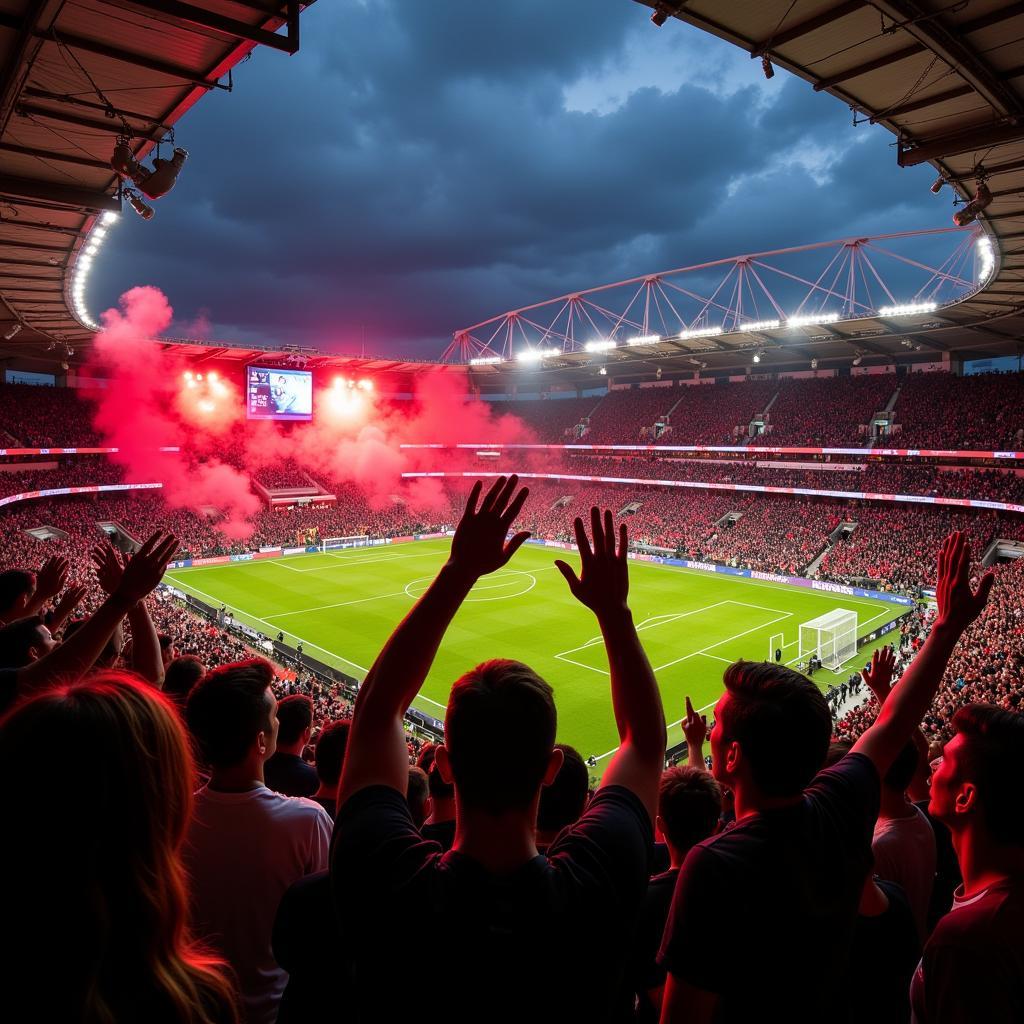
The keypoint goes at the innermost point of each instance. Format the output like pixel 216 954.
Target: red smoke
pixel 148 404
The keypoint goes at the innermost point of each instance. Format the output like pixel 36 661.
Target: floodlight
pixel 757 356
pixel 766 66
pixel 937 185
pixel 142 209
pixel 814 364
pixel 857 359
pixel 969 213
pixel 603 371
pixel 12 332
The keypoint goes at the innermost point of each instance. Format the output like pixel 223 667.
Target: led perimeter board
pixel 275 394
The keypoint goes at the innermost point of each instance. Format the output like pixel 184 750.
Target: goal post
pixel 832 638
pixel 776 642
pixel 358 540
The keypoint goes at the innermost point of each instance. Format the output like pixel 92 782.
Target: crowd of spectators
pixel 828 412
pixel 938 410
pixel 629 416
pixel 283 475
pixel 248 847
pixel 40 417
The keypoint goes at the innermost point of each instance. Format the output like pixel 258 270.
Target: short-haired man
pixel 328 758
pixel 506 922
pixel 246 843
pixel 689 805
pixel 564 800
pixel 286 772
pixel 440 824
pixel 973 965
pixel 754 905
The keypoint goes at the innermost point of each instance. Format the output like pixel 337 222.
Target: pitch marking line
pixel 671 725
pixel 339 604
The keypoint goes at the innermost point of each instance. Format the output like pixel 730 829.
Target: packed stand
pixel 981 412
pixel 42 417
pixel 628 416
pixel 718 414
pixel 828 411
pixel 552 420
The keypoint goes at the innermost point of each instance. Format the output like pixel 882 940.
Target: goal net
pixel 359 540
pixel 832 638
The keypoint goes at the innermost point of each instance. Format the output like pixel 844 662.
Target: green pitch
pixel 343 605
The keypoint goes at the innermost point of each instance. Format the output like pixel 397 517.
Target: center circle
pixel 499 587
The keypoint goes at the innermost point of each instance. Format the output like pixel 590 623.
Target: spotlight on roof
pixel 14 329
pixel 657 373
pixel 814 364
pixel 664 11
pixel 603 371
pixel 857 359
pixel 757 355
pixel 144 210
pixel 969 214
pixel 766 66
pixel 937 185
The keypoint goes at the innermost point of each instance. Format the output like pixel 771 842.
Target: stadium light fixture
pixel 603 371
pixel 644 339
pixel 486 361
pixel 601 345
pixel 811 320
pixel 986 258
pixel 766 66
pixel 756 325
pixel 187 375
pixel 699 332
pixel 535 355
pixel 757 356
pixel 908 309
pixel 12 332
pixel 857 359
pixel 365 385
pixel 969 214
pixel 212 375
pixel 814 364
pixel 937 185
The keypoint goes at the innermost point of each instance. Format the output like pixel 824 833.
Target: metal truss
pixel 746 300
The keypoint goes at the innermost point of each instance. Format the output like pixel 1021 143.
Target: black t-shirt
pixel 763 913
pixel 442 832
pixel 643 972
pixel 883 957
pixel 8 688
pixel 328 803
pixel 973 965
pixel 289 774
pixel 546 942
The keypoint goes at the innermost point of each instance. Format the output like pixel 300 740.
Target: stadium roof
pixel 947 79
pixel 75 75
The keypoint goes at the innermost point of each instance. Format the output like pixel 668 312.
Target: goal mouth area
pixel 830 638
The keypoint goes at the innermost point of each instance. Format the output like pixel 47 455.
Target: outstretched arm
pixel 146 659
pixel 695 730
pixel 907 703
pixel 376 753
pixel 603 586
pixel 50 582
pixel 79 652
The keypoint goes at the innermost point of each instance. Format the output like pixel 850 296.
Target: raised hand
pixel 959 606
pixel 108 565
pixel 695 727
pixel 879 675
pixel 479 545
pixel 52 578
pixel 146 568
pixel 65 607
pixel 603 582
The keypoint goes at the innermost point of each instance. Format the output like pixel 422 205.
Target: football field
pixel 343 605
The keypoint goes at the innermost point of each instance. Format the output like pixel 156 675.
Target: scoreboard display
pixel 275 394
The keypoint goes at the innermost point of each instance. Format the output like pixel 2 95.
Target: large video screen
pixel 273 394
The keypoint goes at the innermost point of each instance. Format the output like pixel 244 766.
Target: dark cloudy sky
pixel 418 167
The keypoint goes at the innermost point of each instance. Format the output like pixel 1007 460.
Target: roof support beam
pixel 49 154
pixel 8 243
pixel 65 195
pixel 35 225
pixel 114 53
pixel 910 154
pixel 872 65
pixel 231 27
pixel 77 101
pixel 809 25
pixel 30 263
pixel 92 123
pixel 928 101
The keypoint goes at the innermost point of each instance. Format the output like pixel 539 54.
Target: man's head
pixel 439 788
pixel 980 781
pixel 330 752
pixel 16 589
pixel 772 729
pixel 565 799
pixel 295 714
pixel 689 805
pixel 232 713
pixel 167 651
pixel 499 737
pixel 24 641
pixel 417 795
pixel 180 676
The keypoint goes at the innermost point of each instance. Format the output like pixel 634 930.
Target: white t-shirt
pixel 904 850
pixel 243 851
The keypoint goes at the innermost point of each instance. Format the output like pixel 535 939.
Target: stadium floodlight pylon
pixel 832 637
pixel 748 297
pixel 357 540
